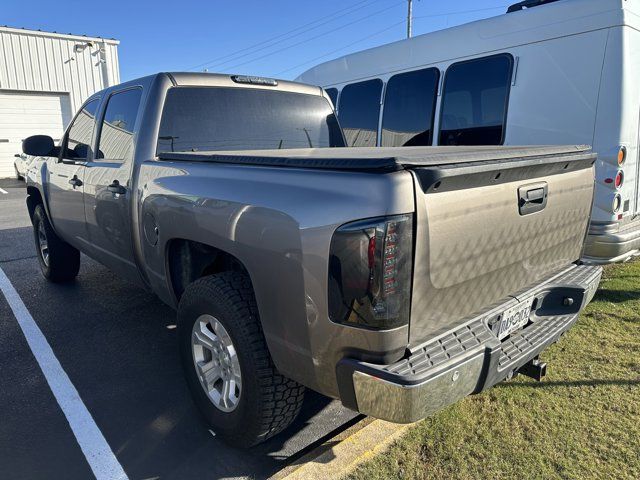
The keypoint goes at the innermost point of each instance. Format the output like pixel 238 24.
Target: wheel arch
pixel 188 260
pixel 279 304
pixel 34 198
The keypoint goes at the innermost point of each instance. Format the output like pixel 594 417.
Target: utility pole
pixel 409 18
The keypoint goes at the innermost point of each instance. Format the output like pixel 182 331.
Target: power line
pixel 382 31
pixel 279 38
pixel 342 48
pixel 315 37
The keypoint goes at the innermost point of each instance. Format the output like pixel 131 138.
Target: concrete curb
pixel 340 456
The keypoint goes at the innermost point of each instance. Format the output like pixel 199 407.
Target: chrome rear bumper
pixel 612 243
pixel 468 359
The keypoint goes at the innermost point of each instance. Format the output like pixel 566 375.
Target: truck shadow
pixel 117 343
pixel 572 383
pixel 616 296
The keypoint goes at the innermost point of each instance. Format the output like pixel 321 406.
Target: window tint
pixel 409 106
pixel 333 95
pixel 359 112
pixel 474 105
pixel 116 133
pixel 80 132
pixel 218 118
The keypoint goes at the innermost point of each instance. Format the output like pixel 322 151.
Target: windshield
pixel 198 119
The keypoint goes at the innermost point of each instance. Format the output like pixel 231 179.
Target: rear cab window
pixel 409 108
pixel 474 101
pixel 196 119
pixel 359 112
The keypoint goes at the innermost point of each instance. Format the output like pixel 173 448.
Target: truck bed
pixel 382 160
pixel 488 221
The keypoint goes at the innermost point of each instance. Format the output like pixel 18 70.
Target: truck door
pixel 66 175
pixel 107 191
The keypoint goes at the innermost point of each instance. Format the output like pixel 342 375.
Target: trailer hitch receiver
pixel 534 369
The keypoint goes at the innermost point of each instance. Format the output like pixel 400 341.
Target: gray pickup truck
pixel 396 280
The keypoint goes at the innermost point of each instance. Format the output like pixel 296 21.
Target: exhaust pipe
pixel 534 369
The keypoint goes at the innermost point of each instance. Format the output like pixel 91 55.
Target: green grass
pixel 582 421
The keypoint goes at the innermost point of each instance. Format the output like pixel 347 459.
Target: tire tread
pixel 64 260
pixel 281 398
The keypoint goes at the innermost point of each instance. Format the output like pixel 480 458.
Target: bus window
pixel 409 108
pixel 333 95
pixel 474 101
pixel 359 112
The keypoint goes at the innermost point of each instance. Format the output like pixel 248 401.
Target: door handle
pixel 532 198
pixel 535 195
pixel 115 187
pixel 75 181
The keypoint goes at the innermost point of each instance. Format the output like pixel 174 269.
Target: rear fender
pixel 265 242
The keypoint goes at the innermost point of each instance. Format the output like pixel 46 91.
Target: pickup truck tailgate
pixel 491 222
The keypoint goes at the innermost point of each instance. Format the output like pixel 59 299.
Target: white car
pixel 21 164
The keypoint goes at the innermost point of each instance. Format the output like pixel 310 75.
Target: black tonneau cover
pixel 384 159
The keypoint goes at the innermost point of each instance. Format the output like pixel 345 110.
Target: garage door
pixel 23 114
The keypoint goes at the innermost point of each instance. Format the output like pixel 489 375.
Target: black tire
pixel 268 402
pixel 18 176
pixel 63 262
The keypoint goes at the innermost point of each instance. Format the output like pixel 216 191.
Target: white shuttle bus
pixel 547 72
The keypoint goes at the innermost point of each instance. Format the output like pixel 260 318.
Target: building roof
pixel 69 36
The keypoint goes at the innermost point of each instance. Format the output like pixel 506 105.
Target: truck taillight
pixel 370 269
pixel 619 179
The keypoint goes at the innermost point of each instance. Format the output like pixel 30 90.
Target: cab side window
pixel 118 125
pixel 80 133
pixel 359 112
pixel 474 101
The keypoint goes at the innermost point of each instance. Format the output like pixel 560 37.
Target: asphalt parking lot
pixel 117 345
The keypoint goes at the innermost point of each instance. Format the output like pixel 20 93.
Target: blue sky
pixel 278 38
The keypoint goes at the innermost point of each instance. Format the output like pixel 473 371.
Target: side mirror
pixel 38 145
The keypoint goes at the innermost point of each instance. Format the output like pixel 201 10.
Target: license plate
pixel 515 318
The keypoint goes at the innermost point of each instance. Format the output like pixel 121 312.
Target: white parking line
pixel 2 190
pixel 96 450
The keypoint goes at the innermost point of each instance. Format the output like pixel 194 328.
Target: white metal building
pixel 44 78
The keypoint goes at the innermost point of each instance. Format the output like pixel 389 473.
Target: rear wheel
pixel 227 364
pixel 59 261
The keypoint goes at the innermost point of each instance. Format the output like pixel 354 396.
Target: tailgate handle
pixel 532 198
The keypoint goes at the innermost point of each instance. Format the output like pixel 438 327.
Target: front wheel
pixel 59 261
pixel 227 364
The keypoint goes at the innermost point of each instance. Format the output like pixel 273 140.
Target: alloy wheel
pixel 216 363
